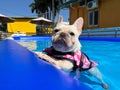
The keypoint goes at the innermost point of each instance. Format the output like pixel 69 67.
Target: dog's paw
pixel 105 86
pixel 45 57
pixel 75 77
pixel 39 54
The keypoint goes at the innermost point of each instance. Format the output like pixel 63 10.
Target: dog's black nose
pixel 62 34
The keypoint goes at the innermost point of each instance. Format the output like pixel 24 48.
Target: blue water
pixel 107 54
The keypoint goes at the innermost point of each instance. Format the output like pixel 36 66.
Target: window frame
pixel 93 18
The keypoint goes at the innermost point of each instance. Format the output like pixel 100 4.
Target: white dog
pixel 65 52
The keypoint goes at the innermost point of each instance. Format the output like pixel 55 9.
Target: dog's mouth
pixel 62 44
pixel 60 41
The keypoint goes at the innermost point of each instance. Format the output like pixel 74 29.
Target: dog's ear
pixel 60 19
pixel 79 24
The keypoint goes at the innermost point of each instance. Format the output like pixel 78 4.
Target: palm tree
pixel 46 6
pixel 39 6
pixel 53 5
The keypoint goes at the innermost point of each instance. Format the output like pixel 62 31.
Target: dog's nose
pixel 62 34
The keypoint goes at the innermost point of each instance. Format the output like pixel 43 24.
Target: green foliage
pixel 42 6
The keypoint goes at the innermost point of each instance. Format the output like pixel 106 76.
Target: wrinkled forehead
pixel 66 28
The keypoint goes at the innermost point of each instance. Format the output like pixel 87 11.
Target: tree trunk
pixel 53 11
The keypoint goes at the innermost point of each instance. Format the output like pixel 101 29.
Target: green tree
pixel 54 7
pixel 46 8
pixel 40 7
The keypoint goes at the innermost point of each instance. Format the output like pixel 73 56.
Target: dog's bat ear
pixel 60 19
pixel 79 24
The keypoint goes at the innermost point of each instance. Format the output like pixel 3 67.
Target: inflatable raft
pixel 20 69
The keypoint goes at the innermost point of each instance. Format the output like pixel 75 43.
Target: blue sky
pixel 21 8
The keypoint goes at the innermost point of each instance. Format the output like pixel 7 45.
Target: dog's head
pixel 65 37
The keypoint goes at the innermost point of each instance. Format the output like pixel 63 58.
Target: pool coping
pixel 96 38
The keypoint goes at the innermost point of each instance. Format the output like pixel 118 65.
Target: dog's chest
pixel 65 65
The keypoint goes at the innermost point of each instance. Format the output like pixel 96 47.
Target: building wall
pixel 76 12
pixel 73 14
pixel 22 25
pixel 109 14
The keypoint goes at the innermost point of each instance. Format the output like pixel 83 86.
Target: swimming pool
pixel 105 52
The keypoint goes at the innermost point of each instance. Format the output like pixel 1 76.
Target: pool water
pixel 106 53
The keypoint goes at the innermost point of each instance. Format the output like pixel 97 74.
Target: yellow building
pixel 96 13
pixel 22 24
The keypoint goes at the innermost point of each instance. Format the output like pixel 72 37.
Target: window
pixel 93 18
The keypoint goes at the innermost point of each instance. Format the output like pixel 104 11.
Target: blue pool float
pixel 21 69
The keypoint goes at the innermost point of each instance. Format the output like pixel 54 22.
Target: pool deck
pixel 21 69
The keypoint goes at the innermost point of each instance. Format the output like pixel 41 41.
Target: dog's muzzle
pixel 63 35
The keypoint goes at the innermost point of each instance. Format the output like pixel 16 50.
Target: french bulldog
pixel 65 52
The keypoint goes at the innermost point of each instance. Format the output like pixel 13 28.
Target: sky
pixel 21 8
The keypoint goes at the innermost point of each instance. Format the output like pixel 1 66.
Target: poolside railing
pixel 108 32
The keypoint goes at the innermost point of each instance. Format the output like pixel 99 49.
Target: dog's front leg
pixel 77 75
pixel 48 59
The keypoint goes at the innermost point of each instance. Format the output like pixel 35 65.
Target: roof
pixel 67 3
pixel 22 17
